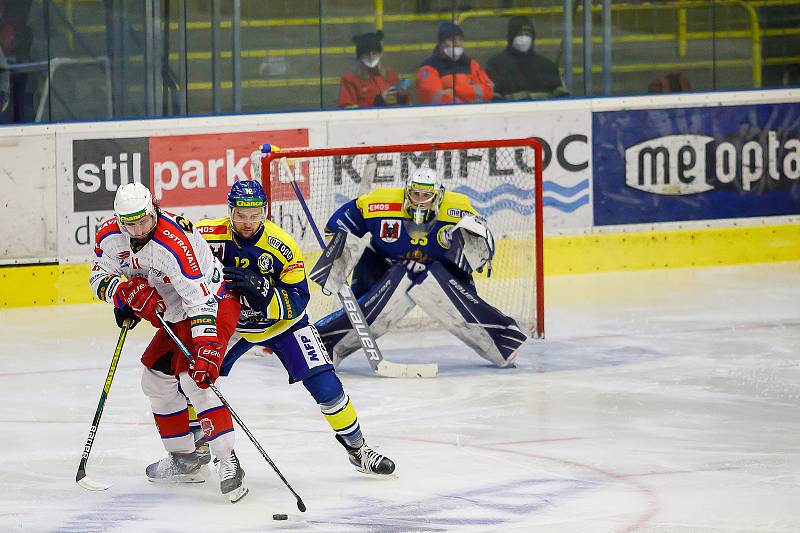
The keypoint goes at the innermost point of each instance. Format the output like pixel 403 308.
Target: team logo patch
pixel 456 213
pixel 390 230
pixel 265 265
pixel 217 248
pixel 207 426
pixel 444 237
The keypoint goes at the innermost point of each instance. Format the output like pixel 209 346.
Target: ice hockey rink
pixel 661 401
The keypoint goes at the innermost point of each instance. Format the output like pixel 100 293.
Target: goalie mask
pixel 423 196
pixel 247 204
pixel 134 209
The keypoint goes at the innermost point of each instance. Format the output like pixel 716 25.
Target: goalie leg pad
pixel 383 305
pixel 457 306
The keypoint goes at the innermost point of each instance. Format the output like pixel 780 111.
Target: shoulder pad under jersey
pixel 454 206
pixel 171 235
pixel 215 229
pixel 382 203
pixel 108 227
pixel 279 243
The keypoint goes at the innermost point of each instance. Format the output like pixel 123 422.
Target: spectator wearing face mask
pixel 370 82
pixel 518 72
pixel 449 75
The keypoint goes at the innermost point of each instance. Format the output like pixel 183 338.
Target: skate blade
pixel 375 474
pixel 237 494
pixel 183 478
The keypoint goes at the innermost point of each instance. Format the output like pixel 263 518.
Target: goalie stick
pixel 300 505
pixel 81 478
pixel 379 365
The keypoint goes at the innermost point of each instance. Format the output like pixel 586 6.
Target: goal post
pixel 501 178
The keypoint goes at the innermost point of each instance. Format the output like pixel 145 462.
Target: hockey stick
pixel 81 478
pixel 379 365
pixel 300 505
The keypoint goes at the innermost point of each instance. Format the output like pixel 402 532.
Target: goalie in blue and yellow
pixel 264 267
pixel 424 244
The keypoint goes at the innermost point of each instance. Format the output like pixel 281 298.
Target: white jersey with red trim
pixel 176 261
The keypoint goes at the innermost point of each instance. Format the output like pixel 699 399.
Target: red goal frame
pixel 534 144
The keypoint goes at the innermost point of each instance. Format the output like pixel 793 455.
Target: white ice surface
pixel 661 401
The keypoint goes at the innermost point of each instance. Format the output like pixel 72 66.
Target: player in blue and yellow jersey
pixel 264 265
pixel 424 244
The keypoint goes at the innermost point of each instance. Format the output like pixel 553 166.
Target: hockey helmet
pixel 423 196
pixel 247 194
pixel 132 203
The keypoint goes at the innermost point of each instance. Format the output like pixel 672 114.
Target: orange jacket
pixel 465 77
pixel 362 87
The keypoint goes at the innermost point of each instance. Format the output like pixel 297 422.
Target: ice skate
pixel 177 468
pixel 201 447
pixel 367 460
pixel 231 477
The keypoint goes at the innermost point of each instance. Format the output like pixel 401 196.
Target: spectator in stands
pixel 518 72
pixel 449 75
pixel 674 82
pixel 15 46
pixel 370 82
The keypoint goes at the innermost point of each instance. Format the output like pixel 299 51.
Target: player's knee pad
pixel 324 387
pixel 385 304
pixel 457 306
pixel 156 384
pixel 165 399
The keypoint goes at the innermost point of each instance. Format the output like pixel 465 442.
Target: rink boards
pixel 629 183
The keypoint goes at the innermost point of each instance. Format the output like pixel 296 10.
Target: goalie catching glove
pixel 255 288
pixel 474 243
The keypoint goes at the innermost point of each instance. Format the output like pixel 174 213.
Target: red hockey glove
pixel 205 368
pixel 142 298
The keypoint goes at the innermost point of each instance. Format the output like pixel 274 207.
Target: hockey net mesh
pixel 500 182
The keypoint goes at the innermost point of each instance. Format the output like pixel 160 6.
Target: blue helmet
pixel 247 194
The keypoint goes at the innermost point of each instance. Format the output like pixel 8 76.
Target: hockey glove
pixel 120 315
pixel 254 287
pixel 205 368
pixel 142 298
pixel 477 241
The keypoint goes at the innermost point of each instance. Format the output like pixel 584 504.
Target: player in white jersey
pixel 170 269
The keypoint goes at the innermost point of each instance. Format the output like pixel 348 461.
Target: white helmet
pixel 423 180
pixel 132 202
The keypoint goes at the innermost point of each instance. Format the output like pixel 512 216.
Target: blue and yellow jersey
pixel 272 253
pixel 394 236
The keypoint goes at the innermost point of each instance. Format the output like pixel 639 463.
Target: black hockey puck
pixel 280 516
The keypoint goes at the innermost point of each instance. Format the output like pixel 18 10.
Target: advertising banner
pixel 187 174
pixel 668 165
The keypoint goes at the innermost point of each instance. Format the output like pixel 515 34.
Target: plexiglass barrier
pixel 79 60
